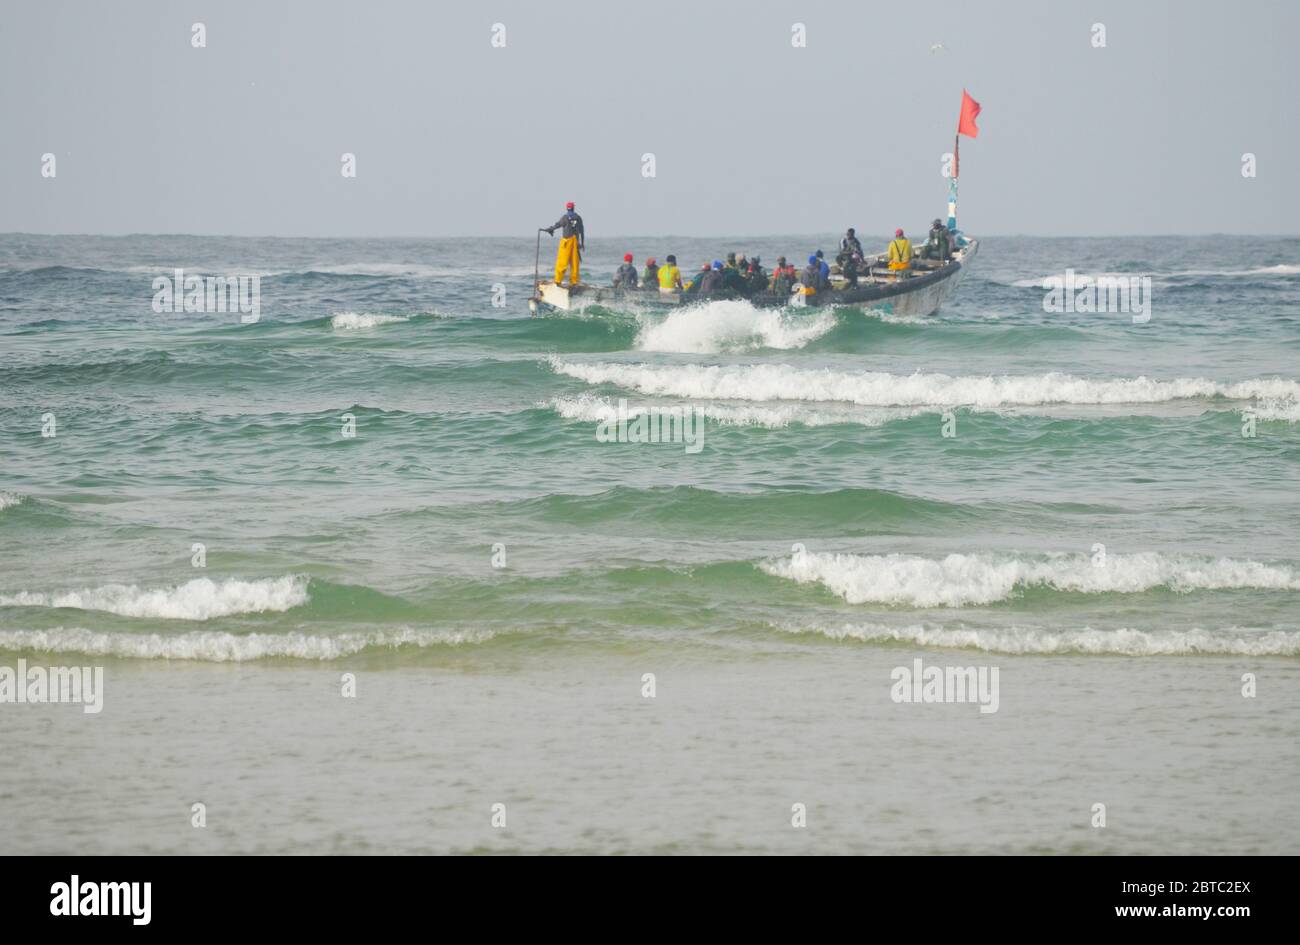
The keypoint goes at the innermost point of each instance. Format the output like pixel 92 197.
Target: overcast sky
pixel 750 134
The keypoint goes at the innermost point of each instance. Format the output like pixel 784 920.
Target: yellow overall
pixel 900 254
pixel 567 257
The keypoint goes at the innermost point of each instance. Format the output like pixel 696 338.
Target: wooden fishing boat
pixel 919 291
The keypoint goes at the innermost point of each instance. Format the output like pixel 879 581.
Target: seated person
pixel 712 282
pixel 734 282
pixel 670 277
pixel 650 278
pixel 848 246
pixel 939 243
pixel 900 252
pixel 693 287
pixel 784 276
pixel 813 279
pixel 625 278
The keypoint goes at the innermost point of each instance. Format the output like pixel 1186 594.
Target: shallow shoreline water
pixel 712 764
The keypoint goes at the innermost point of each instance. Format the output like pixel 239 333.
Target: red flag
pixel 969 110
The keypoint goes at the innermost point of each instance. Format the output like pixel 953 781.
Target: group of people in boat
pixel 742 277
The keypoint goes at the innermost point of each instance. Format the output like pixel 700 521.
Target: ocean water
pixel 1103 510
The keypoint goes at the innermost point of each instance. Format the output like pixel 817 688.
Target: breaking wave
pixel 219 647
pixel 593 409
pixel 731 325
pixel 768 382
pixel 1282 269
pixel 351 321
pixel 972 580
pixel 200 599
pixel 1232 641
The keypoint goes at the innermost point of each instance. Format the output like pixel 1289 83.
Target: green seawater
pixel 389 475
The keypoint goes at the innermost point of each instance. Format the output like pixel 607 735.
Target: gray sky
pixel 750 135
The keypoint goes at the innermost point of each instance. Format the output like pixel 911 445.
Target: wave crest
pixel 200 599
pixel 352 321
pixel 1231 641
pixel 960 580
pixel 594 409
pixel 219 647
pixel 767 382
pixel 731 325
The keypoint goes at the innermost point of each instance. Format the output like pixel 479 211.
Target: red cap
pixel 569 205
pixel 651 262
pixel 898 232
pixel 627 257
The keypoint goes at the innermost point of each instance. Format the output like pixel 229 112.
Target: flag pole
pixel 952 186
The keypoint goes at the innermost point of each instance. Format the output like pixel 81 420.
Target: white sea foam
pixel 204 272
pixel 1282 269
pixel 892 318
pixel 1284 410
pixel 351 321
pixel 199 599
pixel 220 647
pixel 382 269
pixel 1079 278
pixel 593 409
pixel 1236 641
pixel 960 580
pixel 768 382
pixel 8 499
pixel 334 269
pixel 731 325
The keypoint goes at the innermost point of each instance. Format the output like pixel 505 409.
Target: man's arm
pixel 582 236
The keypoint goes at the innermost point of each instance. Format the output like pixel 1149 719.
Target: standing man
pixel 850 269
pixel 573 244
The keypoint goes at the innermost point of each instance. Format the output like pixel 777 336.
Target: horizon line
pixel 494 236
